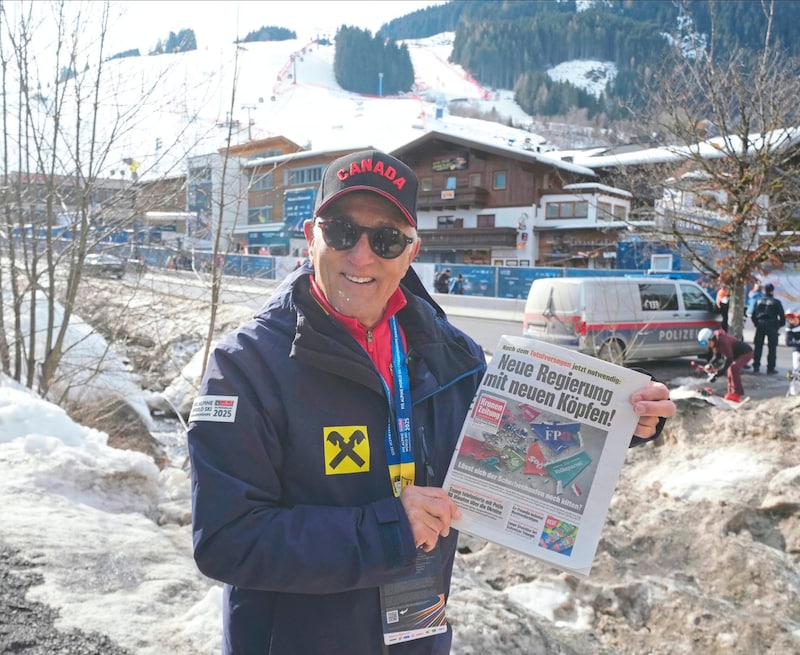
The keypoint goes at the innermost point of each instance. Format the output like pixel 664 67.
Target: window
pixel 485 220
pixel 500 180
pixel 449 223
pixel 426 184
pixel 450 183
pixel 474 180
pixel 309 175
pixel 259 215
pixel 694 299
pixel 266 153
pixel 658 297
pixel 604 212
pixel 568 209
pixel 262 182
pixel 619 213
pixel 661 262
pixel 200 174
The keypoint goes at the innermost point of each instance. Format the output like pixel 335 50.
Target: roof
pixel 509 151
pixel 715 148
pixel 595 186
pixel 303 154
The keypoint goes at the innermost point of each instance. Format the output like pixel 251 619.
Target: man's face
pixel 357 282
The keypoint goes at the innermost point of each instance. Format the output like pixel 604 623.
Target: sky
pixel 215 21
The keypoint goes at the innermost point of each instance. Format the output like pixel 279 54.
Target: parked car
pixel 620 319
pixel 104 264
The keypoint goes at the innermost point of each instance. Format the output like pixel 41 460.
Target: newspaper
pixel 541 450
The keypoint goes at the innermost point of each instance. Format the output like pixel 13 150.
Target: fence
pixel 508 282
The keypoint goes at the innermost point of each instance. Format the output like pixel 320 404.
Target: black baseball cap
pixel 374 171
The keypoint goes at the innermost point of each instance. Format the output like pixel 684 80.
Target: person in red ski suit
pixel 726 354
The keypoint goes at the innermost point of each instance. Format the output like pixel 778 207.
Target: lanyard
pixel 400 454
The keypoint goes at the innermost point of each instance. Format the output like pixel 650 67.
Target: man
pixel 726 354
pixel 752 298
pixel 457 285
pixel 723 303
pixel 793 341
pixel 768 317
pixel 441 283
pixel 324 428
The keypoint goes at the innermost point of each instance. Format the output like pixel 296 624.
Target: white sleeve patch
pixel 219 409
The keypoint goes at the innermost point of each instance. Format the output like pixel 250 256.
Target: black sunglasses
pixel 341 234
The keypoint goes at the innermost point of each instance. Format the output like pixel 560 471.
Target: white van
pixel 620 319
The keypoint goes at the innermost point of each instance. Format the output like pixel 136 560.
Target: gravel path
pixel 27 627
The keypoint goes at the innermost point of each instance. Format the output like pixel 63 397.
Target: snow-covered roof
pixel 714 148
pixel 302 154
pixel 595 186
pixel 503 149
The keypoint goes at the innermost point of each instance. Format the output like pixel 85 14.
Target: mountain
pixel 259 89
pixel 513 44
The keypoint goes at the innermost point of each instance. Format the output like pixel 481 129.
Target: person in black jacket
pixel 441 283
pixel 457 285
pixel 323 430
pixel 768 317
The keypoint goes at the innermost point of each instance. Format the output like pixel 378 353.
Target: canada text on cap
pixel 374 171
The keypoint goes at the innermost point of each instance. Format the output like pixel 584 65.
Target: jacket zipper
pixel 370 344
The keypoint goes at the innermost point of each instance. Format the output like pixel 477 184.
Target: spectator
pixel 324 427
pixel 768 317
pixel 726 354
pixel 723 302
pixel 457 285
pixel 793 341
pixel 753 297
pixel 441 283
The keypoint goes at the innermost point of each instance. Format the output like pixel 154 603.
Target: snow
pixel 109 530
pixel 89 515
pixel 722 475
pixel 591 76
pixel 105 527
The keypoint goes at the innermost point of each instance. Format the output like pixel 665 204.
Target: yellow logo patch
pixel 346 449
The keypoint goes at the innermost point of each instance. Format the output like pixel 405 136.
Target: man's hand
pixel 651 403
pixel 430 511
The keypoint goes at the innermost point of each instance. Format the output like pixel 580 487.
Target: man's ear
pixel 415 249
pixel 308 230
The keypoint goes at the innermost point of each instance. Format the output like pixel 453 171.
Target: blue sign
pixel 478 280
pixel 516 282
pixel 258 266
pixel 298 206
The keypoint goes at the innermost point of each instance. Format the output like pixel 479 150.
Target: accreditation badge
pixel 414 607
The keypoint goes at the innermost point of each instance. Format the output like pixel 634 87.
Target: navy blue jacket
pixel 303 552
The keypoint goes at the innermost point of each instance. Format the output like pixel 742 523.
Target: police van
pixel 620 319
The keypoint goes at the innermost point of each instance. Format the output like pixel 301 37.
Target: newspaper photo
pixel 541 450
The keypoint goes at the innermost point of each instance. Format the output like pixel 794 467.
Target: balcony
pixel 468 238
pixel 444 199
